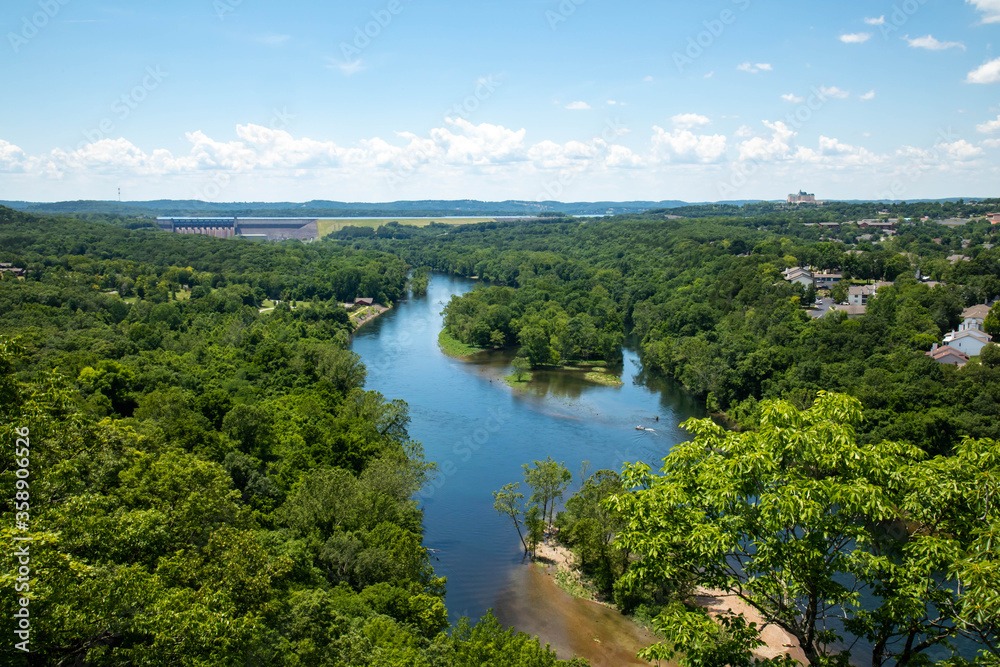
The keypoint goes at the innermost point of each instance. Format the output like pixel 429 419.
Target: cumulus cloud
pixel 793 98
pixel 347 68
pixel 755 67
pixel 833 91
pixel 763 149
pixel 578 106
pixel 985 73
pixel 686 146
pixel 989 8
pixel 687 121
pixel 870 95
pixel 880 20
pixel 960 151
pixel 989 127
pixel 856 37
pixel 931 44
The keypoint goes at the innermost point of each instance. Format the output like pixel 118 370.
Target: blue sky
pixel 248 100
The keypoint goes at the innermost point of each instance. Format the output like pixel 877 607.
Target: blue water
pixel 480 432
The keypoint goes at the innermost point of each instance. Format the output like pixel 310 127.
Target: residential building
pixel 826 280
pixel 946 354
pixel 797 274
pixel 970 339
pixel 976 313
pixel 858 295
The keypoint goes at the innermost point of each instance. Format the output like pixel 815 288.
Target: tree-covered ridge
pixel 709 304
pixel 210 484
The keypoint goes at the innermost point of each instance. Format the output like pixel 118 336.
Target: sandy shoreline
pixel 776 641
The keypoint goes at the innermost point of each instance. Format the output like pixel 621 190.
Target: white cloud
pixel 870 95
pixel 793 98
pixel 578 106
pixel 833 91
pixel 761 149
pixel 648 79
pixel 876 21
pixel 856 37
pixel 709 75
pixel 985 73
pixel 990 126
pixel 991 143
pixel 743 131
pixel 754 68
pixel 960 150
pixel 688 121
pixel 932 44
pixel 991 9
pixel 347 68
pixel 612 102
pixel 685 146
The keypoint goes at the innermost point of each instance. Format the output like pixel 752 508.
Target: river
pixel 479 431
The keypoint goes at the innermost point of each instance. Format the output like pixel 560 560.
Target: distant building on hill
pixel 802 198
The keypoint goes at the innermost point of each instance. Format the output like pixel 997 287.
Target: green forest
pixel 209 482
pixel 205 483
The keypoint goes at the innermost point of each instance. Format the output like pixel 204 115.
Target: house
pixel 948 355
pixel 7 267
pixel 363 301
pixel 994 218
pixel 976 313
pixel 969 339
pixel 850 310
pixel 955 259
pixel 797 274
pixel 858 295
pixel 826 280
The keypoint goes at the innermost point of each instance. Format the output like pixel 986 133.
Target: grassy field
pixel 328 226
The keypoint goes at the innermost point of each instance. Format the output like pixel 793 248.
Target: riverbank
pixel 367 314
pixel 558 566
pixel 455 348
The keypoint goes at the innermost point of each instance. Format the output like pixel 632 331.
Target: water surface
pixel 479 432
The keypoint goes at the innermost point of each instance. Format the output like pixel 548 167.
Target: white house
pixel 797 274
pixel 969 339
pixel 858 295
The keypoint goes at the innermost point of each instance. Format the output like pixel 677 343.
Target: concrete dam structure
pixel 271 229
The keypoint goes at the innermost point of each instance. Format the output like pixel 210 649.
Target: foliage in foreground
pixel 827 539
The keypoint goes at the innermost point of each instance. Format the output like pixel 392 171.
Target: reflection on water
pixel 479 432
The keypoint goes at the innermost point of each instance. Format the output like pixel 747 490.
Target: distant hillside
pixel 335 209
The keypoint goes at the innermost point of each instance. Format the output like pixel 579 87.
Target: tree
pixel 838 292
pixel 536 527
pixel 798 519
pixel 990 356
pixel 991 324
pixel 507 502
pixel 548 481
pixel 520 366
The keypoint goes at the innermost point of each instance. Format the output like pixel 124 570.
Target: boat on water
pixel 643 428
